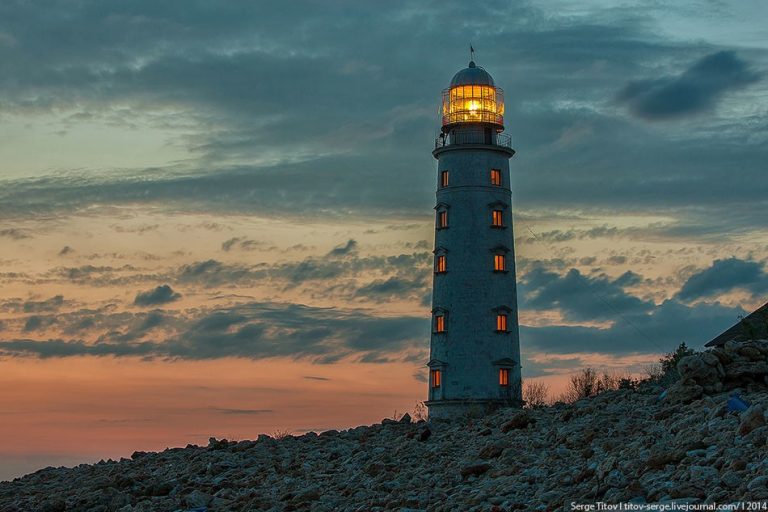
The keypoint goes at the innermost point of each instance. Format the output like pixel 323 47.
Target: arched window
pixel 501 322
pixel 497 218
pixel 500 258
pixel 442 219
pixel 441 264
pixel 496 177
pixel 435 378
pixel 439 322
pixel 499 262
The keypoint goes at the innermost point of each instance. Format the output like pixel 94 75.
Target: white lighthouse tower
pixel 475 346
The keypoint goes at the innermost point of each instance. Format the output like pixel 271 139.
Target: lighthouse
pixel 474 364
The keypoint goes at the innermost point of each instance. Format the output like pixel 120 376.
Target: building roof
pixel 752 326
pixel 472 75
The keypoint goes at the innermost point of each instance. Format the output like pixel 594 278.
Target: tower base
pixel 448 410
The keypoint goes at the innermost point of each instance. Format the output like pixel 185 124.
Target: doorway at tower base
pixel 446 410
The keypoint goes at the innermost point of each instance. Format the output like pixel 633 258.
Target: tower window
pixel 440 264
pixel 497 219
pixel 442 219
pixel 504 377
pixel 501 322
pixel 496 177
pixel 443 179
pixel 434 377
pixel 439 323
pixel 499 263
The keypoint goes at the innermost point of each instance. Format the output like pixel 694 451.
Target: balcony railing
pixel 488 139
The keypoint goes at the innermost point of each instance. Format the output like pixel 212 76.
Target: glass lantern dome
pixel 473 98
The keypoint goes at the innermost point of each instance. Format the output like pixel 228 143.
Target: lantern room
pixel 473 98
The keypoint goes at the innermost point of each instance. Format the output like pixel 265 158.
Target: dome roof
pixel 472 75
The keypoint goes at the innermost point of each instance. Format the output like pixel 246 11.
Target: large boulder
pixel 702 369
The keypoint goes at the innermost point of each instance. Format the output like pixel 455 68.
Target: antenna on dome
pixel 471 53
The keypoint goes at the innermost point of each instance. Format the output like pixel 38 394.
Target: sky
pixel 216 217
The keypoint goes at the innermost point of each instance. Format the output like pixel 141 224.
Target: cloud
pixel 242 243
pixel 392 288
pixel 251 331
pixel 659 330
pixel 161 295
pixel 66 250
pixel 17 305
pixel 14 234
pixel 580 297
pixel 37 322
pixel 312 377
pixel 343 263
pixel 726 275
pixel 698 89
pixel 52 304
pixel 213 272
pixel 344 250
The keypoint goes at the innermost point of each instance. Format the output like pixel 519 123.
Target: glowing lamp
pixel 473 98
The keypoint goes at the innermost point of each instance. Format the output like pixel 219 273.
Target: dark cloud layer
pixel 163 294
pixel 658 331
pixel 253 331
pixel 726 275
pixel 332 118
pixel 581 297
pixel 696 90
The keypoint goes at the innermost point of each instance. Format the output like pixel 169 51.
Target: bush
pixel 588 383
pixel 669 374
pixel 420 412
pixel 535 394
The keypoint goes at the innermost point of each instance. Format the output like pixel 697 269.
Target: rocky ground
pixel 624 445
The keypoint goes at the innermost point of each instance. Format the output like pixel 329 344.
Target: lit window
pixel 443 179
pixel 496 177
pixel 497 219
pixel 501 322
pixel 440 264
pixel 504 377
pixel 442 219
pixel 435 378
pixel 439 323
pixel 499 263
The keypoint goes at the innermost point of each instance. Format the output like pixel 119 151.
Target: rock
pixel 214 444
pixel 474 469
pixel 406 418
pixel 309 494
pixel 697 369
pixel 615 478
pixel 55 505
pixel 424 434
pixel 197 499
pixel 491 451
pixel 758 483
pixel 703 475
pixel 751 419
pixel 742 369
pixel 731 479
pixel 684 392
pixel 750 352
pixel 520 420
pixel 660 460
